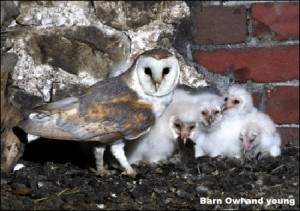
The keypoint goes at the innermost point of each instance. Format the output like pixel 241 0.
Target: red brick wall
pixel 258 45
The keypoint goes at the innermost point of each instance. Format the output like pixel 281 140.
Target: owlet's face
pixel 210 109
pixel 249 138
pixel 211 115
pixel 233 103
pixel 157 74
pixel 182 129
pixel 237 100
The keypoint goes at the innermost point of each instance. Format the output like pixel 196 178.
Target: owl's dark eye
pixel 251 140
pixel 216 112
pixel 225 99
pixel 177 125
pixel 236 101
pixel 204 112
pixel 166 70
pixel 148 71
pixel 192 127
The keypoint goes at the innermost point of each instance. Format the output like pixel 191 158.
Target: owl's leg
pixel 117 150
pixel 99 154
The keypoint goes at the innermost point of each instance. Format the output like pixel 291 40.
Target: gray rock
pixel 9 9
pixel 124 15
pixel 61 44
pixel 85 49
pixel 140 190
pixel 8 62
pixel 23 100
pixel 61 90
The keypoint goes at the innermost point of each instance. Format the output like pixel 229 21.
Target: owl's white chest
pixel 158 109
pixel 159 104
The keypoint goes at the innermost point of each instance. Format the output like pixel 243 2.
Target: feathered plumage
pixel 117 108
pixel 210 106
pixel 260 135
pixel 224 138
pixel 179 120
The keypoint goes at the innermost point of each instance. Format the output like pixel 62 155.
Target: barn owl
pixel 210 105
pixel 179 120
pixel 260 135
pixel 114 109
pixel 224 139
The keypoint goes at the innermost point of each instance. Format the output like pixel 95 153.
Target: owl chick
pixel 179 120
pixel 114 109
pixel 210 105
pixel 260 135
pixel 224 139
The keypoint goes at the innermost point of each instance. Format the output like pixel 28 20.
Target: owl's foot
pixel 131 173
pixel 117 150
pixel 105 172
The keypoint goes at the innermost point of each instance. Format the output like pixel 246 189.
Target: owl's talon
pixel 105 172
pixel 131 173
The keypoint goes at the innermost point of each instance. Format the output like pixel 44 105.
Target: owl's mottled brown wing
pixel 108 111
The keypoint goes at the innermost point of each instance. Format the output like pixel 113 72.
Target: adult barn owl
pixel 114 109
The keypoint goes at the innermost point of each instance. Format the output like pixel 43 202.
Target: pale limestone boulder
pixel 74 43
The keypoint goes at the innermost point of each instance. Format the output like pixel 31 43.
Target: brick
pixel 215 25
pixel 288 134
pixel 280 20
pixel 283 104
pixel 272 64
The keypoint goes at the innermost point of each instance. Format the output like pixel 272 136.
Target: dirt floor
pixel 56 177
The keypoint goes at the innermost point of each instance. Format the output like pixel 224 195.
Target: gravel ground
pixel 56 177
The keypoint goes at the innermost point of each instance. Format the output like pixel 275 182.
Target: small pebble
pixel 18 167
pixel 101 206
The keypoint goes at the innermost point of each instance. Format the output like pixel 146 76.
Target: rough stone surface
pixel 53 13
pixel 135 14
pixel 283 104
pixel 11 147
pixel 22 100
pixel 279 20
pixel 9 9
pixel 257 64
pixel 72 43
pixel 215 25
pixel 79 51
pixel 61 90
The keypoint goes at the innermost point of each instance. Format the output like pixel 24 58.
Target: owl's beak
pixel 184 135
pixel 228 105
pixel 245 146
pixel 156 84
pixel 210 120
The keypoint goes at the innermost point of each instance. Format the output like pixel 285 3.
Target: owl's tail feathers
pixel 43 125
